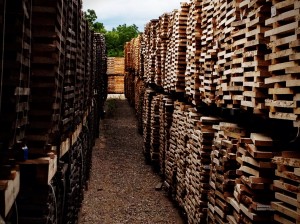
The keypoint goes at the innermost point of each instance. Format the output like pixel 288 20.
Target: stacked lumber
pixel 166 108
pixel 128 58
pixel 208 57
pixel 100 71
pixel 172 154
pixel 115 66
pixel 149 94
pixel 48 50
pixel 256 174
pixel 193 52
pixel 231 40
pixel 161 45
pixel 139 98
pixel 198 168
pixel 254 64
pixel 286 187
pixel 283 102
pixel 15 72
pixel 149 38
pixel 155 127
pixel 179 49
pixel 223 172
pixel 169 69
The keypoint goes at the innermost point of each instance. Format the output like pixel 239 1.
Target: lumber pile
pixel 166 108
pixel 286 187
pixel 15 74
pixel 223 171
pixel 198 168
pixel 148 97
pixel 193 51
pixel 283 101
pixel 256 174
pixel 155 126
pixel 115 66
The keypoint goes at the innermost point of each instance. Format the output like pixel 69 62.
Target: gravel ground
pixel 122 186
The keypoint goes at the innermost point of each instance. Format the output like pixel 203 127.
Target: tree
pixel 91 17
pixel 99 28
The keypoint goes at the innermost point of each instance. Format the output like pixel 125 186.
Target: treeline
pixel 116 38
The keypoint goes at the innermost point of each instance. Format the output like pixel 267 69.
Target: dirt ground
pixel 122 187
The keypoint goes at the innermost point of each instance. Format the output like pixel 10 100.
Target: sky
pixel 139 12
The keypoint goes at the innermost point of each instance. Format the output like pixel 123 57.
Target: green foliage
pixel 90 16
pixel 116 38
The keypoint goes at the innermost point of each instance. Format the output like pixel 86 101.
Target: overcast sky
pixel 139 12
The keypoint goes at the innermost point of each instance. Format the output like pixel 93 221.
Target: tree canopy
pixel 116 38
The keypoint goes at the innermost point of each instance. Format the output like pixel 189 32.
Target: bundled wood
pixel 115 66
pixel 166 108
pixel 149 94
pixel 154 133
pixel 223 172
pixel 286 187
pixel 15 71
pixel 149 40
pixel 198 168
pixel 256 174
pixel 139 99
pixel 254 64
pixel 284 44
pixel 193 51
pixel 161 44
pixel 208 58
pixel 230 92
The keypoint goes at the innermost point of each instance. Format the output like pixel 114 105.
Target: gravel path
pixel 122 186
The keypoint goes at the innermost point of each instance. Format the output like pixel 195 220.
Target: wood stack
pixel 149 38
pixel 149 94
pixel 161 44
pixel 284 61
pixel 254 64
pixel 15 75
pixel 193 52
pixel 198 168
pixel 208 58
pixel 229 94
pixel 179 48
pixel 139 99
pixel 166 108
pixel 169 68
pixel 48 49
pixel 223 171
pixel 115 73
pixel 185 126
pixel 286 188
pixel 155 128
pixel 256 174
pixel 170 163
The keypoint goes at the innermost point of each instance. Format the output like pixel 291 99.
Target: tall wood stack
pixel 283 100
pixel 194 32
pixel 227 65
pixel 155 125
pixel 50 94
pixel 161 43
pixel 198 168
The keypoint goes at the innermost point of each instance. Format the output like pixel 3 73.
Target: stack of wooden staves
pixel 256 175
pixel 193 52
pixel 284 93
pixel 154 133
pixel 165 121
pixel 198 168
pixel 286 188
pixel 148 97
pixel 223 171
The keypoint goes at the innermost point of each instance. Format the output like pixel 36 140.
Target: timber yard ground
pixel 122 186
